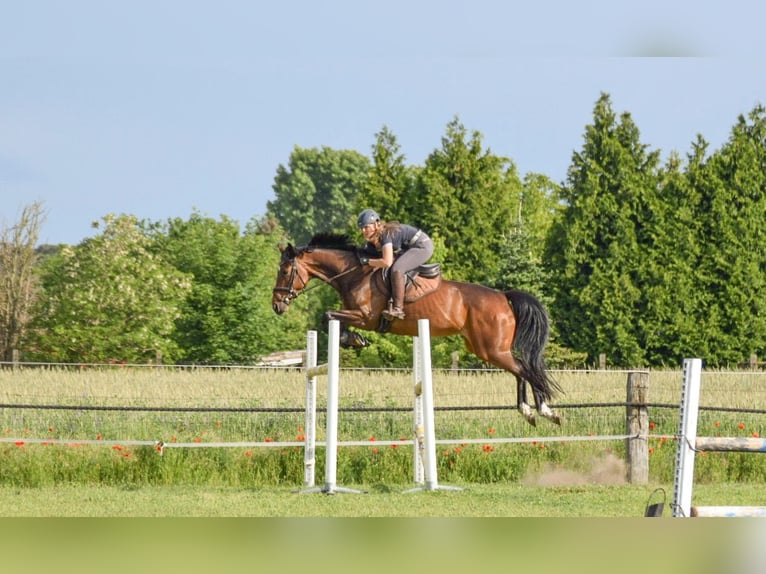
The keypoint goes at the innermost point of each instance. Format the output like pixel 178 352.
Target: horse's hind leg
pixel 521 401
pixel 543 408
pixel 505 360
pixel 498 353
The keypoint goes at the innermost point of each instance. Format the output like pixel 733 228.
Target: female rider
pixel 402 248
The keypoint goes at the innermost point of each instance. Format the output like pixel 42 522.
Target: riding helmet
pixel 366 217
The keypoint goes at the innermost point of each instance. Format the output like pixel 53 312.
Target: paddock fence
pixel 645 422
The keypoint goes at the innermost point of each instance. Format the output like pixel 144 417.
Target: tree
pixel 673 299
pixel 226 317
pixel 598 243
pixel 467 198
pixel 733 262
pixel 538 207
pixel 318 191
pixel 108 298
pixel 18 281
pixel 389 189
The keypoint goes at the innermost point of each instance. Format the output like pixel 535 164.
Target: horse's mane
pixel 331 241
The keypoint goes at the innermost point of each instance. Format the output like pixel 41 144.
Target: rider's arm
pixel 387 258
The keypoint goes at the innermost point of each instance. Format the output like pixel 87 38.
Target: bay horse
pixel 508 329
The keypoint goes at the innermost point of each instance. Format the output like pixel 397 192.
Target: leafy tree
pixel 318 191
pixel 227 317
pixel 18 282
pixel 598 243
pixel 108 298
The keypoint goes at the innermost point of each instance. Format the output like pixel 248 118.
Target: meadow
pixel 237 433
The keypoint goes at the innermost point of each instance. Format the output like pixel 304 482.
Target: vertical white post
pixel 424 338
pixel 333 374
pixel 687 437
pixel 417 414
pixel 309 437
pixel 428 451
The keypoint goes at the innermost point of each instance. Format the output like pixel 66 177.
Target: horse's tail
pixel 532 331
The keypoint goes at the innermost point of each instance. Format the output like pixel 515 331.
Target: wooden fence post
pixel 637 446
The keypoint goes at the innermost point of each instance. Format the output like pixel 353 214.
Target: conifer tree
pixel 733 265
pixel 598 243
pixel 467 196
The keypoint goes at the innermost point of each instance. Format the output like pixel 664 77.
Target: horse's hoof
pixel 354 340
pixel 546 412
pixel 527 412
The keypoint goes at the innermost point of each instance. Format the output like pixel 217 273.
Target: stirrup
pixel 395 313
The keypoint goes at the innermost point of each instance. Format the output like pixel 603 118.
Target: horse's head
pixel 329 257
pixel 291 279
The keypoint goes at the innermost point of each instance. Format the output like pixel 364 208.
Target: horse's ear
pixel 287 251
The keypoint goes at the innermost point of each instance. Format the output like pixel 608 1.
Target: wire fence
pixel 91 421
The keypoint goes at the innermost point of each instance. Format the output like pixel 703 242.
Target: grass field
pixel 541 479
pixel 390 501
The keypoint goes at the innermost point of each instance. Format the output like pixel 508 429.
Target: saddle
pixel 419 282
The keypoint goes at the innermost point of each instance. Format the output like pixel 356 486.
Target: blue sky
pixel 160 108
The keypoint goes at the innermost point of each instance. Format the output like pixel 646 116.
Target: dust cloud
pixel 606 469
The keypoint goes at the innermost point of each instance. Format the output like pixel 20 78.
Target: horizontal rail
pixel 728 511
pixel 284 444
pixel 346 409
pixel 729 444
pixel 318 370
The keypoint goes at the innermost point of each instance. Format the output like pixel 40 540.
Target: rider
pixel 402 248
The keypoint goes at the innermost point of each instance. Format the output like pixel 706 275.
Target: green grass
pixel 474 500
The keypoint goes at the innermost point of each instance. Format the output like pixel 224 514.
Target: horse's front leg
pixel 348 339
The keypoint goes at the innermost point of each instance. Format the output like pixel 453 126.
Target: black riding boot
pixel 397 294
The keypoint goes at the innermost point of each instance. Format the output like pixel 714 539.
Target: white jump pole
pixel 333 374
pixel 687 434
pixel 309 437
pixel 424 344
pixel 418 450
pixel 331 443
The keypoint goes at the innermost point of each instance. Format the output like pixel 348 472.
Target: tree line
pixel 644 260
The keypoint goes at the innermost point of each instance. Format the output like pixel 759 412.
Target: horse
pixel 508 329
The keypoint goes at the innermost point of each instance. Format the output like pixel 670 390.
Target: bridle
pixel 290 293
